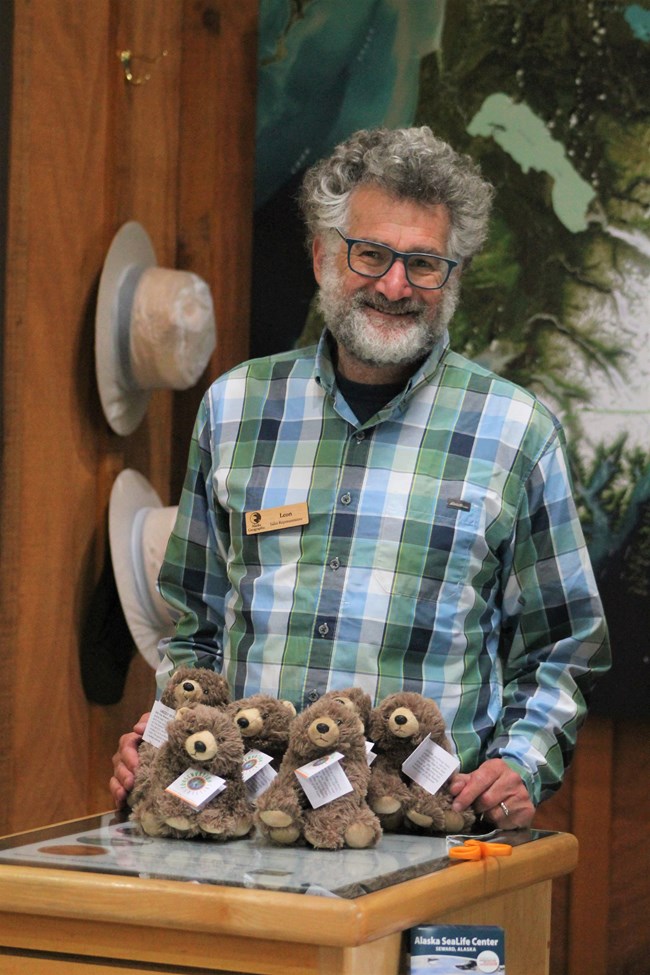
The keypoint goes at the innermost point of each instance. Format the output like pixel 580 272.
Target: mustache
pixel 404 306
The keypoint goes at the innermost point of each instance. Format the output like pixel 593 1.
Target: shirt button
pixel 346 498
pixel 323 629
pixel 359 436
pixel 313 696
pixel 335 563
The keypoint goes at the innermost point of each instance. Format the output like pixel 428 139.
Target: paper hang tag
pixel 196 787
pixel 324 780
pixel 430 765
pixel 370 755
pixel 156 731
pixel 257 772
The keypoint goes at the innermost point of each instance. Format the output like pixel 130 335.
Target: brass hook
pixel 126 57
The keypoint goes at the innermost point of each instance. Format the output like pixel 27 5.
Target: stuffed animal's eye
pixel 265 715
pixel 339 721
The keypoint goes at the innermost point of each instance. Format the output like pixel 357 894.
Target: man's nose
pixel 394 283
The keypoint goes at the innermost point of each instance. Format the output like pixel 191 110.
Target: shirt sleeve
pixel 554 640
pixel 192 577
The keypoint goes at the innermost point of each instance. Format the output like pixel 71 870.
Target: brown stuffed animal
pixel 187 685
pixel 195 685
pixel 397 726
pixel 285 815
pixel 354 698
pixel 205 739
pixel 264 723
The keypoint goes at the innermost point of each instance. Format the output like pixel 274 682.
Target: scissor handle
pixel 479 850
pixel 464 852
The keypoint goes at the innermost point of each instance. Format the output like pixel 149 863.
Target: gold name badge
pixel 271 519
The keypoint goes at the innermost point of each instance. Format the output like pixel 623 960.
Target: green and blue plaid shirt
pixel 443 554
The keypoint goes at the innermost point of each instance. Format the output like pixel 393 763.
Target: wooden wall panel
pixel 88 152
pixel 48 476
pixel 141 139
pixel 216 177
pixel 629 861
pixel 600 913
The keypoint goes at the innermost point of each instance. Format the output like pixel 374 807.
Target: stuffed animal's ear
pixel 289 706
pixel 181 712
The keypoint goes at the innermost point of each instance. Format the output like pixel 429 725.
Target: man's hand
pixel 125 762
pixel 493 786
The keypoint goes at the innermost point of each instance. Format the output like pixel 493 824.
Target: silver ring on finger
pixel 504 809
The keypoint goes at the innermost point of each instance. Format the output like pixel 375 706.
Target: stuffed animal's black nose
pixel 401 719
pixel 322 728
pixel 243 722
pixel 188 686
pixel 200 746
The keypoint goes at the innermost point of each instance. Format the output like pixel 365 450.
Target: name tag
pixel 271 519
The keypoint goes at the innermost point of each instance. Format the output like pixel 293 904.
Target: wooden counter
pixel 69 922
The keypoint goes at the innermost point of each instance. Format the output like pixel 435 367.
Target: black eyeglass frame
pixel 397 255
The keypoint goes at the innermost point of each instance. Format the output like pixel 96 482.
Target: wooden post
pixel 591 823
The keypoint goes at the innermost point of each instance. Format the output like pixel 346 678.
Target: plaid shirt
pixel 443 554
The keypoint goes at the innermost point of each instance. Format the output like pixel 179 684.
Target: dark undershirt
pixel 366 399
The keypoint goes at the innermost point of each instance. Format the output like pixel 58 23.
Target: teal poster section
pixel 551 97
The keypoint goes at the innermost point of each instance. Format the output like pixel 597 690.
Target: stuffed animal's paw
pixel 364 832
pixel 286 836
pixel 276 818
pixel 181 823
pixel 459 822
pixel 215 825
pixel 342 823
pixel 386 805
pixel 281 826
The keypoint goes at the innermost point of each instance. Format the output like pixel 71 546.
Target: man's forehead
pixel 375 214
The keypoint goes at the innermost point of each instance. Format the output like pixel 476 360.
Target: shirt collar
pixel 324 366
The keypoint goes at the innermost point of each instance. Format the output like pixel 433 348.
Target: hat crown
pixel 172 329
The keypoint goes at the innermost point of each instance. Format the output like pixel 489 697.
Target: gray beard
pixel 346 319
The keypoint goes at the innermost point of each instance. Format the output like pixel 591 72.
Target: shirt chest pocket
pixel 428 541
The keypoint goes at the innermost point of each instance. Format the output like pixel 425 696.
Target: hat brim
pixel 130 254
pixel 132 494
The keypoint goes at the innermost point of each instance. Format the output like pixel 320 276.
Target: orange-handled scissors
pixel 479 850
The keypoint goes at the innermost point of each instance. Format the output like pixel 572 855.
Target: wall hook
pixel 126 59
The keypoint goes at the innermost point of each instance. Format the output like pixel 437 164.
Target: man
pixel 414 526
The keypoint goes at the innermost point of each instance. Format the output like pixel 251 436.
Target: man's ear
pixel 317 255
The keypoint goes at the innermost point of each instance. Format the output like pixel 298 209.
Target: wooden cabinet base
pixel 56 921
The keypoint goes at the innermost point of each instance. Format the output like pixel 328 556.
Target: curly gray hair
pixel 408 164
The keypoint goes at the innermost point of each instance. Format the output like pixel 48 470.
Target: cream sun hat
pixel 154 328
pixel 139 527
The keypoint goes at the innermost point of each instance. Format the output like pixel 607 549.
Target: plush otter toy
pixel 174 791
pixel 264 724
pixel 284 813
pixel 354 698
pixel 187 685
pixel 195 685
pixel 397 726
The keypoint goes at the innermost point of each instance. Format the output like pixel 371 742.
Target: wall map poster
pixel 551 97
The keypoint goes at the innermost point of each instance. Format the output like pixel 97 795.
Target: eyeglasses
pixel 373 260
